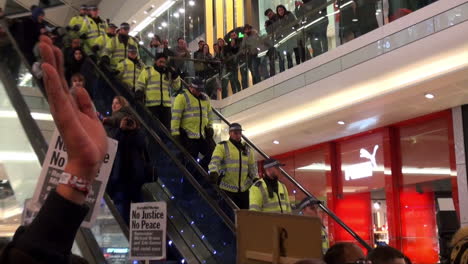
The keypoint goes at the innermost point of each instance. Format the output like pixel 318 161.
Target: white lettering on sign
pixel 363 169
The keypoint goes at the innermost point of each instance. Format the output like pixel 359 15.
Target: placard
pixel 148 231
pixel 53 166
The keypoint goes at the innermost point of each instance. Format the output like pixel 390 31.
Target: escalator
pixel 200 217
pixel 200 229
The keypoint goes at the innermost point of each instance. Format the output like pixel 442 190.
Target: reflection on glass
pixel 428 177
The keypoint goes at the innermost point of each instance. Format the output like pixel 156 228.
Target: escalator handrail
pixel 230 224
pixel 304 190
pixel 289 177
pixel 187 156
pixel 41 154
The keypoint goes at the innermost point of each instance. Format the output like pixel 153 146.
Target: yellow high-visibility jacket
pixel 129 72
pixel 76 21
pixel 93 31
pixel 156 87
pixel 192 114
pixel 117 50
pixel 102 41
pixel 261 201
pixel 239 167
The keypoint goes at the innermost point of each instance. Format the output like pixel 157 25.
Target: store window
pixel 428 199
pixel 362 204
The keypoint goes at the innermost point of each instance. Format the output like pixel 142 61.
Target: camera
pixel 130 122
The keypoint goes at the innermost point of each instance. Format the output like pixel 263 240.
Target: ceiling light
pixel 191 3
pixel 276 142
pixel 150 35
pixel 341 122
pixel 176 14
pixel 141 42
pixel 159 28
pixel 152 6
pixel 429 96
pixel 146 12
pixel 355 20
pixel 181 10
pixel 134 22
pixel 164 24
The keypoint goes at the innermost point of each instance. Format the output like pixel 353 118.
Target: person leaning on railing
pixel 91 28
pixel 314 11
pixel 129 70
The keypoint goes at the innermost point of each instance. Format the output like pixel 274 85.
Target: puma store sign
pixel 363 169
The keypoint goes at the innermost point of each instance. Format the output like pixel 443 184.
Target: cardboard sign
pixel 148 231
pixel 53 166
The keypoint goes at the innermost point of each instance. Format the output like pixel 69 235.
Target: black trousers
pixel 241 199
pixel 202 146
pixel 163 114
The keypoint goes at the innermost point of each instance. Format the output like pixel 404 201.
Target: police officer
pixel 269 194
pixel 75 23
pixel 116 49
pixel 233 165
pixel 129 69
pixel 92 28
pixel 153 89
pixel 192 122
pixel 103 40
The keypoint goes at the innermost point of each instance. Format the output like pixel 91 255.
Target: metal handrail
pixel 181 167
pixel 296 183
pixel 304 190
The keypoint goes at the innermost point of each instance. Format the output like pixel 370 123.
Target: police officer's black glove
pixel 213 177
pixel 115 72
pixel 178 139
pixel 140 96
pixel 95 48
pixel 209 131
pixel 105 62
pixel 83 36
pixel 174 73
pixel 68 28
pixel 76 28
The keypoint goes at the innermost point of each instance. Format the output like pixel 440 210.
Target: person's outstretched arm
pixel 50 236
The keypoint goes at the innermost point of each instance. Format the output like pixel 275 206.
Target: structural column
pixel 460 133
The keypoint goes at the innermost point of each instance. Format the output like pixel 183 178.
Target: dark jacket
pixel 50 236
pixel 232 55
pixel 313 10
pixel 286 24
pixel 26 31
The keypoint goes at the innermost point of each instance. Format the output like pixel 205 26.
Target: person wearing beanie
pixel 153 88
pixel 269 194
pixel 27 32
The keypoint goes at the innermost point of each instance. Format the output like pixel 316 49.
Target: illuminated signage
pixel 363 169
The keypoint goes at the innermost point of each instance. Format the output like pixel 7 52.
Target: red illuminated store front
pixel 394 185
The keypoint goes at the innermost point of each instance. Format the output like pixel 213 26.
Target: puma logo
pixel 363 169
pixel 365 154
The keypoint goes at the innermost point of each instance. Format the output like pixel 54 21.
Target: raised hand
pixel 81 130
